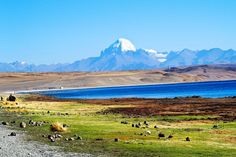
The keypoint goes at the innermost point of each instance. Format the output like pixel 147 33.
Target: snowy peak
pixel 160 56
pixel 123 45
pixel 122 55
pixel 18 63
pixel 150 51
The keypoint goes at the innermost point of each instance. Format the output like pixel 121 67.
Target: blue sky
pixel 52 31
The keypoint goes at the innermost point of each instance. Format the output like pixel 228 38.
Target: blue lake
pixel 204 89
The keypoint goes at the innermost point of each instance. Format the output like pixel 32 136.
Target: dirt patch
pixel 222 132
pixel 231 139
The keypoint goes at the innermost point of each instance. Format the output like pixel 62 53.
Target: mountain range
pixel 123 55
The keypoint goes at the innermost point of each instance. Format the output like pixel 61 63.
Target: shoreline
pixel 35 82
pixel 99 122
pixel 114 86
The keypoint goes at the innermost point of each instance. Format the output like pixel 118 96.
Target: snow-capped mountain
pixel 122 45
pixel 189 57
pixel 123 55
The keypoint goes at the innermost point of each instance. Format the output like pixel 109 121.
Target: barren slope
pixel 29 81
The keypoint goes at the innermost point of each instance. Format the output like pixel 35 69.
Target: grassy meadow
pixel 99 131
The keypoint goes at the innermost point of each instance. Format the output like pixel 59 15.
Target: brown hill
pixel 30 81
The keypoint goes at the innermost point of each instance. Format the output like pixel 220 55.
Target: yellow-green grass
pixel 86 121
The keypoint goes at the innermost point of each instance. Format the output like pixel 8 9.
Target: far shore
pixel 130 85
pixel 90 87
pixel 11 82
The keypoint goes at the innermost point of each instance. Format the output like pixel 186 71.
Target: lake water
pixel 204 89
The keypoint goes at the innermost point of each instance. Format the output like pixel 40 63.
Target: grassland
pixel 98 123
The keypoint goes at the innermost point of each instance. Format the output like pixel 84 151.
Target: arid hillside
pixel 30 81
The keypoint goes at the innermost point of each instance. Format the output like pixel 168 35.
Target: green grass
pixel 183 117
pixel 84 121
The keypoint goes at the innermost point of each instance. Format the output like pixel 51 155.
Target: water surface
pixel 204 89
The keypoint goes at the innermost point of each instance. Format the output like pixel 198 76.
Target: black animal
pixel 11 98
pixel 187 139
pixel 161 135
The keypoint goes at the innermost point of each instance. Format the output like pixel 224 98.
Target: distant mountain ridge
pixel 123 55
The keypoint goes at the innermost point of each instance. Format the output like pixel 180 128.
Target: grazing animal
pixel 170 136
pixel 11 98
pixel 187 139
pixel 161 135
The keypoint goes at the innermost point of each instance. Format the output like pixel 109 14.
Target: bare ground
pixel 17 146
pixel 30 81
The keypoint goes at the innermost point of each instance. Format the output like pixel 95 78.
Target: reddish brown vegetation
pixel 225 107
pixel 36 97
